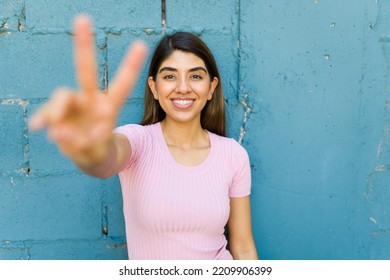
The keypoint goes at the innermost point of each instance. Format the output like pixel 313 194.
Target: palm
pixel 81 123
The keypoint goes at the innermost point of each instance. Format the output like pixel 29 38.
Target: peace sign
pixel 81 123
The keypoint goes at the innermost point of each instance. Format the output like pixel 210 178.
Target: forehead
pixel 182 61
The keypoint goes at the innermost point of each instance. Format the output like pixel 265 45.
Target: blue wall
pixel 306 86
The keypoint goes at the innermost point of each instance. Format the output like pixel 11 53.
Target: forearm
pixel 110 163
pixel 242 244
pixel 250 254
pixel 243 249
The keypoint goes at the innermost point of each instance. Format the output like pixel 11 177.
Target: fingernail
pixel 82 18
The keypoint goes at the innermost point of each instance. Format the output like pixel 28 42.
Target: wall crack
pixel 247 112
pixel 22 19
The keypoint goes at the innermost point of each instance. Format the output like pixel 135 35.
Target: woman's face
pixel 183 86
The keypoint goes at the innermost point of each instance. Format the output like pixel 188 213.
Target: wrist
pixel 98 162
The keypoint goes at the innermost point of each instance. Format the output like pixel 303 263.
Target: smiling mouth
pixel 183 102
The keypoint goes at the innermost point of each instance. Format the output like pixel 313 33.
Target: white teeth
pixel 183 102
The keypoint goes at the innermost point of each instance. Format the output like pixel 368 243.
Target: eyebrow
pixel 199 68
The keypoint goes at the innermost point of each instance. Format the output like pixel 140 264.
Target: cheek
pixel 164 88
pixel 201 87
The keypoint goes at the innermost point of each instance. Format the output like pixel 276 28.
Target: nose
pixel 183 85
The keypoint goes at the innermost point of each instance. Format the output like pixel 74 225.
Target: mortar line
pixel 26 142
pixel 103 80
pixel 163 15
pixel 104 220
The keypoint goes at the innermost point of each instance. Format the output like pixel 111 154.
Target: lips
pixel 183 103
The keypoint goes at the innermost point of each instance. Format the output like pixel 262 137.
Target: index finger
pixel 85 60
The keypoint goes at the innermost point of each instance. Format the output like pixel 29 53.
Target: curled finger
pixel 54 111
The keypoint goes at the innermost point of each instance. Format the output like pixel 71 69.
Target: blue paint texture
pixel 307 91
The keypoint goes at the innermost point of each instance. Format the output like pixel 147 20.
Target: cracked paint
pixel 4 24
pixel 378 182
pixel 247 112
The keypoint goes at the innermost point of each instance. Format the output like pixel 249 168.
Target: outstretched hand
pixel 81 123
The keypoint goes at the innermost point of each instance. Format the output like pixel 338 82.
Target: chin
pixel 182 119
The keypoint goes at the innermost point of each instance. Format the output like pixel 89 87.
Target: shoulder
pixel 228 143
pixel 131 130
pixel 138 135
pixel 234 157
pixel 141 139
pixel 231 147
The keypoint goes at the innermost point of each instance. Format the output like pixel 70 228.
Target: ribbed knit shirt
pixel 174 211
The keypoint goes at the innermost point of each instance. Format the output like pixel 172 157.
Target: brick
pixel 379 245
pixel 43 154
pixel 113 208
pixel 378 198
pixel 50 208
pixel 13 251
pixel 234 119
pixel 132 112
pixel 78 250
pixel 106 13
pixel 203 14
pixel 10 8
pixel 14 254
pixel 32 66
pixel 11 135
pixel 225 51
pixel 10 13
pixel 117 46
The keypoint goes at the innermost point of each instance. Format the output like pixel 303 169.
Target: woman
pixel 182 180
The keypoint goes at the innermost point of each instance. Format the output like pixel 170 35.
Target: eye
pixel 196 77
pixel 168 77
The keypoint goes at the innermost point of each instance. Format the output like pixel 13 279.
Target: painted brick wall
pixel 48 209
pixel 316 73
pixel 306 86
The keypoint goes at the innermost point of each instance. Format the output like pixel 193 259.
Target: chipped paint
pixel 247 112
pixel 373 220
pixel 4 24
pixel 15 101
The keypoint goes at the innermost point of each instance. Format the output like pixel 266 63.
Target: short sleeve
pixel 241 183
pixel 137 136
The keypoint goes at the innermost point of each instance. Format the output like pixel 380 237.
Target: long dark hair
pixel 213 114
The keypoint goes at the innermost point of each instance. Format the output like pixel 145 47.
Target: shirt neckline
pixel 203 166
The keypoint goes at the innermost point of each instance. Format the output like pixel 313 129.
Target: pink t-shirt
pixel 174 211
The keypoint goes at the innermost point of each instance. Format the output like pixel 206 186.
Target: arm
pixel 241 243
pixel 119 151
pixel 81 122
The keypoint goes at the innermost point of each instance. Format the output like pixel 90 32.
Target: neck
pixel 184 135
